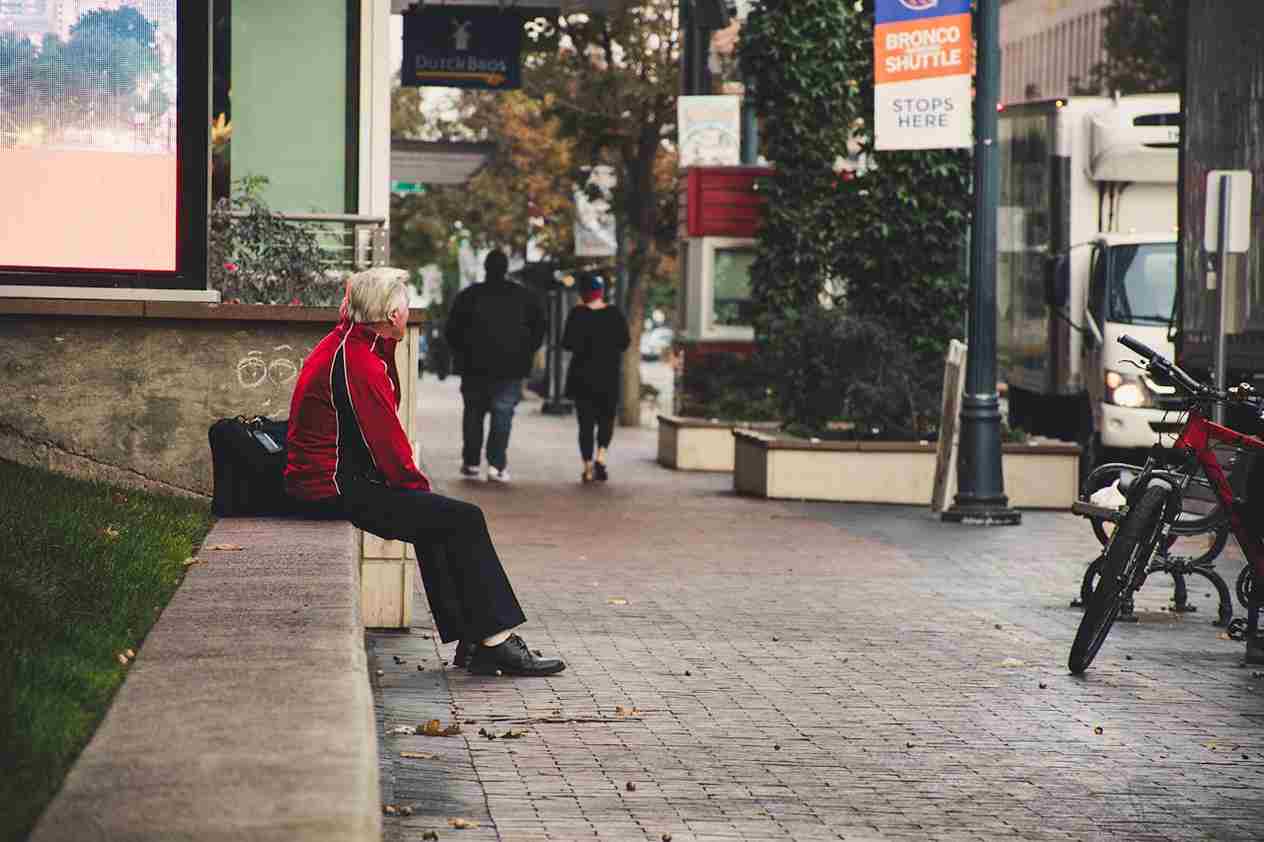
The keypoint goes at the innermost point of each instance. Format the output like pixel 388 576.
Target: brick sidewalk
pixel 806 671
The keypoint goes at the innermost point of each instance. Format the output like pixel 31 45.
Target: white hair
pixel 375 292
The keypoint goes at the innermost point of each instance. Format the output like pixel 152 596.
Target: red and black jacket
pixel 343 420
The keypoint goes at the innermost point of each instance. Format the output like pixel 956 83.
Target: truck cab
pixel 1132 290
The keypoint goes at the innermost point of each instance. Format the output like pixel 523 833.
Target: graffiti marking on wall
pixel 254 370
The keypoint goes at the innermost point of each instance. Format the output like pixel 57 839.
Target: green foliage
pixel 727 387
pixel 860 371
pixel 83 576
pixel 258 257
pixel 878 234
pixel 1144 42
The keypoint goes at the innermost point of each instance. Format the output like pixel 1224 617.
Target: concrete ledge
pixel 248 712
pixel 1036 476
pixel 700 444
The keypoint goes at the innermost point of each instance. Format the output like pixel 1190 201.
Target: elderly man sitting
pixel 349 454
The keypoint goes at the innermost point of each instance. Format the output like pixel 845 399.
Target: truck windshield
pixel 1143 283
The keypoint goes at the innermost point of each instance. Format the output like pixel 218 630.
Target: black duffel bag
pixel 248 456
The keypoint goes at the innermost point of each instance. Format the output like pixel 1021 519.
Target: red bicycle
pixel 1154 504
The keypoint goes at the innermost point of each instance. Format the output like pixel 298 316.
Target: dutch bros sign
pixel 923 66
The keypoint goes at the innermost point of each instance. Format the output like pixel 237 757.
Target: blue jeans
pixel 483 395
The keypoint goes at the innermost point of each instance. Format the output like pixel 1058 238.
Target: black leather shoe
pixel 464 649
pixel 512 658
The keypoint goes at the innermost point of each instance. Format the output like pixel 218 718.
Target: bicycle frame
pixel 1197 438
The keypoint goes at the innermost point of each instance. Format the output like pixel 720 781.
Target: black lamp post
pixel 980 486
pixel 555 403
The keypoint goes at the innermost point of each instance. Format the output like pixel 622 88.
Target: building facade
pixel 1049 47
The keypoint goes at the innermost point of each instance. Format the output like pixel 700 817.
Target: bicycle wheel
pixel 1125 562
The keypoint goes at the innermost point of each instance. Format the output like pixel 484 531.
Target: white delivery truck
pixel 1086 252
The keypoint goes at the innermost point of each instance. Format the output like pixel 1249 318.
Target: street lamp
pixel 980 485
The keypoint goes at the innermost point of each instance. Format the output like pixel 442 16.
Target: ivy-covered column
pixel 876 235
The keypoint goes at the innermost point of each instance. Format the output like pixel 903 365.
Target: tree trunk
pixel 630 415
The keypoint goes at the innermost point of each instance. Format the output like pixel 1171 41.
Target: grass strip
pixel 85 569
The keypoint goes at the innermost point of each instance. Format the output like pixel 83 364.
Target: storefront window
pixel 731 293
pixel 88 135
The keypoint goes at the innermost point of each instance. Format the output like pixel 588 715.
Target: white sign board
pixel 923 60
pixel 595 234
pixel 710 130
pixel 1238 238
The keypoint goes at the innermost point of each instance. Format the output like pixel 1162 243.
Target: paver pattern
pixel 743 669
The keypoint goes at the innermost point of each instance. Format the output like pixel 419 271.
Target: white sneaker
pixel 495 474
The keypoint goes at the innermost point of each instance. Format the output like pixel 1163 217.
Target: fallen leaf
pixel 405 811
pixel 429 836
pixel 122 659
pixel 434 728
pixel 402 729
pixel 224 547
pixel 616 600
pixel 1223 636
pixel 118 498
pixel 189 562
pixel 131 653
pixel 1043 686
pixel 1098 730
pixel 666 837
pixel 1013 662
pixel 463 824
pixel 111 533
pixel 631 786
pixel 511 734
pixel 390 809
pixel 417 755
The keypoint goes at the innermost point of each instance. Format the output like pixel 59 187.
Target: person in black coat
pixel 493 331
pixel 597 335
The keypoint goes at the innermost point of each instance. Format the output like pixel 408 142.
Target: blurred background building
pixel 1049 47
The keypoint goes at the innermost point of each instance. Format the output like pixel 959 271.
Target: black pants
pixel 469 593
pixel 593 414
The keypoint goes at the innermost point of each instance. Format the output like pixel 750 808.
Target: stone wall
pixel 126 394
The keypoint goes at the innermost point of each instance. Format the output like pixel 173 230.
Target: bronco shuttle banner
pixel 923 66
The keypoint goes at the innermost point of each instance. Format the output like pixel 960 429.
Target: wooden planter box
pixel 699 444
pixel 1037 476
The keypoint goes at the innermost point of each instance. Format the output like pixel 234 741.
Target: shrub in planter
pixel 863 371
pixel 262 258
pixel 728 387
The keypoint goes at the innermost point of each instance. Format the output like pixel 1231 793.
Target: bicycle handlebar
pixel 1170 369
pixel 1139 347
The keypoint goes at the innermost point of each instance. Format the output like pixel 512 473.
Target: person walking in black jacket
pixel 597 335
pixel 493 331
